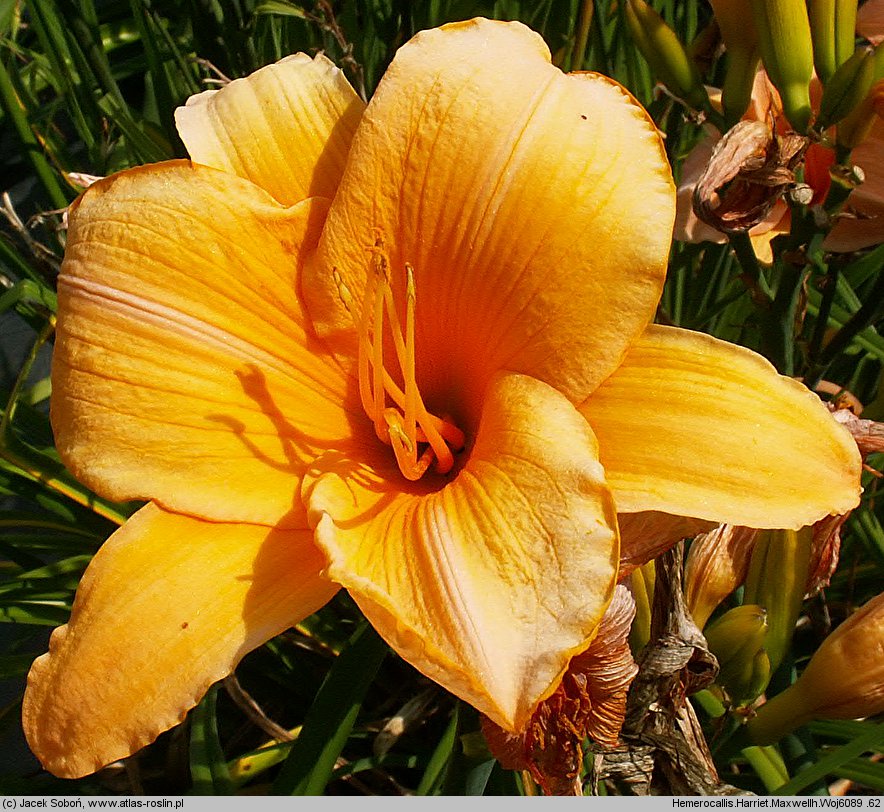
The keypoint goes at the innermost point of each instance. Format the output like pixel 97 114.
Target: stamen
pixel 343 291
pixel 444 457
pixel 408 370
pixel 446 430
pixel 364 330
pixel 408 423
pixel 377 359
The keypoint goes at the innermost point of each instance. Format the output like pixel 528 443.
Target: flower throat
pixel 417 437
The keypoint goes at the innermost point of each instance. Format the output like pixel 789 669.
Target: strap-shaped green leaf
pixel 208 767
pixel 330 719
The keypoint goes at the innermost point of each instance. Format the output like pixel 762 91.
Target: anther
pixel 343 291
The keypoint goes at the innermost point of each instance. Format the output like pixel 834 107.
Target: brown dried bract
pixel 645 535
pixel 748 172
pixel 869 438
pixel 825 551
pixel 589 702
pixel 868 434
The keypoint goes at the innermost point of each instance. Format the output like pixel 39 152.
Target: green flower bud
pixel 664 52
pixel 856 126
pixel 746 687
pixel 847 88
pixel 642 588
pixel 741 40
pixel 777 580
pixel 787 53
pixel 832 28
pixel 737 641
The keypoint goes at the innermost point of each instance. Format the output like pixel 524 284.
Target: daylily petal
pixel 693 426
pixel 535 207
pixel 182 350
pixel 870 20
pixel 488 583
pixel 169 605
pixel 286 127
pixel 777 223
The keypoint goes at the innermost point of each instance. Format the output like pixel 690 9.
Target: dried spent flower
pixel 750 170
pixel 589 702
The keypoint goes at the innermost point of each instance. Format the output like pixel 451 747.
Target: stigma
pixel 419 439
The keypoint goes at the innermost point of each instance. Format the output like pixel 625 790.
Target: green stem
pixel 13 260
pixel 770 770
pixel 829 287
pixel 776 312
pixel 839 190
pixel 800 754
pixel 777 717
pixel 754 279
pixel 782 317
pixel 715 118
pixel 710 703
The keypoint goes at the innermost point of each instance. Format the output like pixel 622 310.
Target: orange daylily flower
pixel 402 349
pixel 863 225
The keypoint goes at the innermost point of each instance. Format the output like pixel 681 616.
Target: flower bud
pixel 832 28
pixel 741 629
pixel 739 79
pixel 843 680
pixel 641 584
pixel 741 40
pixel 737 641
pixel 787 53
pixel 664 52
pixel 750 684
pixel 777 580
pixel 847 87
pixel 855 128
